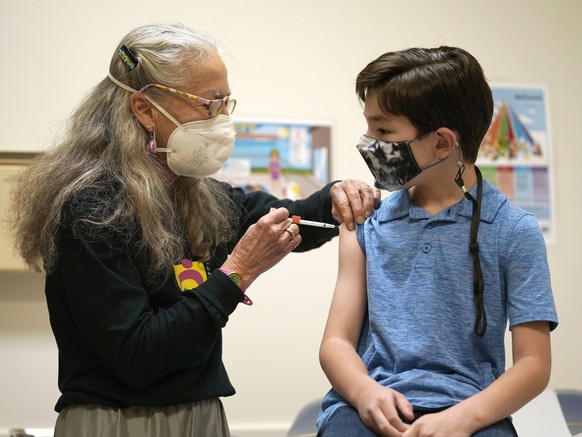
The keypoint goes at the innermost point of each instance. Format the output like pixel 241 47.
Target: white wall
pixel 294 60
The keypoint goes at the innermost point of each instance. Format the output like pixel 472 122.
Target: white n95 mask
pixel 198 148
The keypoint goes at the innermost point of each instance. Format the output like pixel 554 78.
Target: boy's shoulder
pixel 496 203
pixel 511 222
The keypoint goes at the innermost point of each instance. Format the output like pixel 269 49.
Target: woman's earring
pixel 152 145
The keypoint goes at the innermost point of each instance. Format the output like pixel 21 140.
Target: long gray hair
pixel 104 146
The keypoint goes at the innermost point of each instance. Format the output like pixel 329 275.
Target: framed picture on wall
pixel 11 166
pixel 288 159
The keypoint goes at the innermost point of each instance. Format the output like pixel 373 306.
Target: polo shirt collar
pixel 398 205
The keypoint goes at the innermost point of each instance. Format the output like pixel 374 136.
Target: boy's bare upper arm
pixel 349 301
pixel 531 339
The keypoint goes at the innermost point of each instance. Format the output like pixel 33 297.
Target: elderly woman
pixel 145 255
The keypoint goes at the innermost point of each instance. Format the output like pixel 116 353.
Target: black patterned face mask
pixel 392 164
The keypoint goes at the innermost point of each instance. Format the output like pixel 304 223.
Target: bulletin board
pixel 289 159
pixel 516 153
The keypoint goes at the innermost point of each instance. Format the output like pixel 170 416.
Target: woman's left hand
pixel 353 200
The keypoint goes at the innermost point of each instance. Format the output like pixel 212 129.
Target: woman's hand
pixel 263 245
pixel 353 201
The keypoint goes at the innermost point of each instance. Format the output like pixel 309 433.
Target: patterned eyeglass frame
pixel 214 106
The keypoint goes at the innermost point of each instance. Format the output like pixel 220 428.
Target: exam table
pixel 554 413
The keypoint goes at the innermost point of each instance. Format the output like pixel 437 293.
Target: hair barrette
pixel 127 57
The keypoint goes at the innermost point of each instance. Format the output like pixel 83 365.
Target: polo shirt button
pixel 430 225
pixel 426 248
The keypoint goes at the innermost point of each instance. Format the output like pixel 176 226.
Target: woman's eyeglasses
pixel 214 106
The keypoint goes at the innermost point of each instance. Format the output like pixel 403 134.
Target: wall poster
pixel 516 153
pixel 288 159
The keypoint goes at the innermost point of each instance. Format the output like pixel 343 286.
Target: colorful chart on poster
pixel 516 152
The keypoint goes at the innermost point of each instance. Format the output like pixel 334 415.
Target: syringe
pixel 299 221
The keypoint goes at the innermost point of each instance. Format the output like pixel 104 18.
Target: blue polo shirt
pixel 419 338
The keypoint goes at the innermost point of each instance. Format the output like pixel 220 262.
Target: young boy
pixel 414 342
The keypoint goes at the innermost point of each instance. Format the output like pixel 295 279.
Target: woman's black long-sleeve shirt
pixel 125 338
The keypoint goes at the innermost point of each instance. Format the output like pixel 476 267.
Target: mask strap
pixel 162 110
pixel 436 162
pixel 480 326
pixel 166 113
pixel 432 164
pixel 121 84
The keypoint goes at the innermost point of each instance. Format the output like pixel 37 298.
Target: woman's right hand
pixel 263 245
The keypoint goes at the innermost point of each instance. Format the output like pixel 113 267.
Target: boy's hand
pixel 382 409
pixel 442 424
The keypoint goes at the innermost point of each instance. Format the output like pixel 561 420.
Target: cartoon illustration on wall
pixel 285 158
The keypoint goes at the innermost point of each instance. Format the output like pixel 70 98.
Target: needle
pixel 299 221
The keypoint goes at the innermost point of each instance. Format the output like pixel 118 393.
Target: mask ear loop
pixel 480 326
pixel 152 145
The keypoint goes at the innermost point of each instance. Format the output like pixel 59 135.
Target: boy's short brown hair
pixel 433 87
